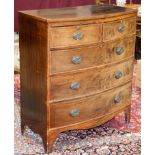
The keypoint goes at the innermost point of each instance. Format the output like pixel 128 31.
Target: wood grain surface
pixel 88 12
pixel 33 72
pixel 63 36
pixel 111 29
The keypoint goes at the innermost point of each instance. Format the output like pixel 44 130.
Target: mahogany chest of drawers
pixel 76 67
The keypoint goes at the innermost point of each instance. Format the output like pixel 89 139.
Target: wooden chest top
pixel 80 12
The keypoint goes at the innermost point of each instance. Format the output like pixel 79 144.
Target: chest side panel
pixel 33 73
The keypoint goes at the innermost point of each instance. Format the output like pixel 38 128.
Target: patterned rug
pixel 113 138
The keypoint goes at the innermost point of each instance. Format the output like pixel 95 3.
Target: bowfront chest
pixel 76 67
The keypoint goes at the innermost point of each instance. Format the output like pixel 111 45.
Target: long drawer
pixel 83 109
pixel 90 56
pixel 91 81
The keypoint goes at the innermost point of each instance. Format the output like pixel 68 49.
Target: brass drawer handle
pixel 76 59
pixel 78 35
pixel 74 112
pixel 121 28
pixel 117 99
pixel 119 50
pixel 75 85
pixel 118 74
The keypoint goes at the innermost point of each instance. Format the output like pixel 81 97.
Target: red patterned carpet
pixel 113 138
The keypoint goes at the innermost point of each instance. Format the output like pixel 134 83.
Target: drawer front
pixel 76 111
pixel 116 29
pixel 75 35
pixel 92 81
pixel 91 56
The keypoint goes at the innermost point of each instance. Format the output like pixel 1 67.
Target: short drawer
pixel 83 109
pixel 69 36
pixel 119 28
pixel 91 56
pixel 91 81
